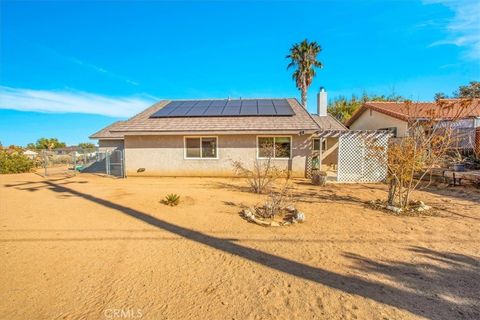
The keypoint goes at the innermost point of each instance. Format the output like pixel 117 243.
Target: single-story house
pixel 395 117
pixel 30 154
pixel 204 137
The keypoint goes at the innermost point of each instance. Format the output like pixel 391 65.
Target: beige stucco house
pixel 204 137
pixel 395 116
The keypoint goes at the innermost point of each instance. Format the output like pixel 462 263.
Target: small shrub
pixel 276 201
pixel 171 199
pixel 263 173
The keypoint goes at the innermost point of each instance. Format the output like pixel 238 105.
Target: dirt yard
pixel 90 247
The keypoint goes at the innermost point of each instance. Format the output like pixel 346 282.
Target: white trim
pixel 274 136
pixel 199 158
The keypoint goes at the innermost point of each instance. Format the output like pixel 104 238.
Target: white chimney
pixel 322 102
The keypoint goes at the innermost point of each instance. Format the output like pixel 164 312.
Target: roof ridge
pixel 229 98
pixel 310 115
pixel 335 118
pixel 377 101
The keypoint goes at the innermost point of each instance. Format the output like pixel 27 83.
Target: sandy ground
pixel 90 247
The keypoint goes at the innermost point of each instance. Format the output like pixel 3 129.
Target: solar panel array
pixel 225 108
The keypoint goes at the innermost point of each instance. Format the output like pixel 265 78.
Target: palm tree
pixel 303 57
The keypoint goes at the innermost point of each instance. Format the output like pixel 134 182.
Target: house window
pixel 393 130
pixel 201 147
pixel 319 142
pixel 274 147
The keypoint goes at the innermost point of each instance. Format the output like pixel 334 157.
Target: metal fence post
pixel 122 159
pixel 44 164
pixel 107 162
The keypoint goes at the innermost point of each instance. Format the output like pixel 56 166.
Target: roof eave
pixel 221 132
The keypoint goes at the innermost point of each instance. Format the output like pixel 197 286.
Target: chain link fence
pixel 70 161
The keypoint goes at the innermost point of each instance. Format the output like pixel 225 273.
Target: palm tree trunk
pixel 304 92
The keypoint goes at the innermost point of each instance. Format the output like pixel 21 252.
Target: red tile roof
pixel 443 109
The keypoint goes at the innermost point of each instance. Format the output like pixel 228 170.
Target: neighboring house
pixel 30 154
pixel 74 151
pixel 204 137
pixel 395 116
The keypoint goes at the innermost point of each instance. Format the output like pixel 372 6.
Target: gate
pixel 362 157
pixel 115 163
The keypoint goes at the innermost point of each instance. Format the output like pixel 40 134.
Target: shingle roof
pixel 142 123
pixel 444 109
pixel 106 132
pixel 328 122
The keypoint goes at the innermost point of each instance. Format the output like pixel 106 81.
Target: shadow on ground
pixel 442 288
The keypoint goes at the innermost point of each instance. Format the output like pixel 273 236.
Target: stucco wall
pixel 104 145
pixel 164 156
pixel 330 155
pixel 373 120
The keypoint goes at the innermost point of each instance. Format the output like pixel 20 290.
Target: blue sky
pixel 69 68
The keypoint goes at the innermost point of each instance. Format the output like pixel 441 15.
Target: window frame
pixel 274 136
pixel 322 141
pixel 201 149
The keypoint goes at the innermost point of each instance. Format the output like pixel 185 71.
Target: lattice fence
pixel 362 157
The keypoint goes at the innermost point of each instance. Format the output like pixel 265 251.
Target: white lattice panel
pixel 355 160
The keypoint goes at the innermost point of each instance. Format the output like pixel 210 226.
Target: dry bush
pixel 427 146
pixel 276 201
pixel 263 174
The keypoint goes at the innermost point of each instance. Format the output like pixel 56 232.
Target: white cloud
pixel 463 29
pixel 102 70
pixel 72 101
pixel 86 65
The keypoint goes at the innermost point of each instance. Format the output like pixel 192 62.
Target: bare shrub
pixel 264 172
pixel 413 157
pixel 276 201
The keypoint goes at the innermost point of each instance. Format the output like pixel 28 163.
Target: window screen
pixel 274 147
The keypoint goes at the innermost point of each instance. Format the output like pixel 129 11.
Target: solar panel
pixel 196 111
pixel 214 111
pixel 219 103
pixel 266 108
pixel 231 111
pixel 265 103
pixel 234 103
pixel 203 103
pixel 249 108
pixel 266 111
pixel 283 111
pixel 225 108
pixel 249 103
pixel 280 103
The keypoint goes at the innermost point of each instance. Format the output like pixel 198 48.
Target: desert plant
pixel 13 161
pixel 263 173
pixel 276 201
pixel 171 199
pixel 412 158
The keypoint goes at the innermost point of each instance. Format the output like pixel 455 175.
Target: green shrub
pixel 171 199
pixel 14 162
